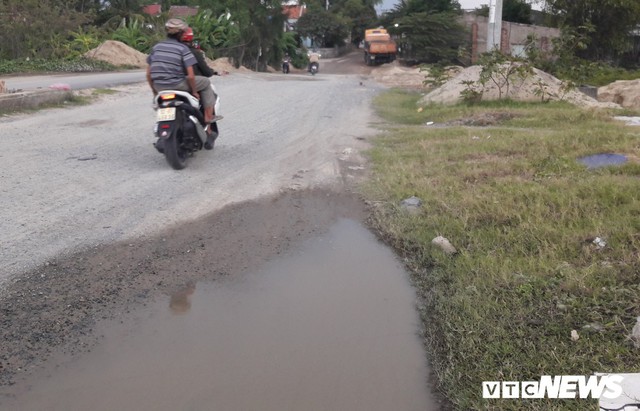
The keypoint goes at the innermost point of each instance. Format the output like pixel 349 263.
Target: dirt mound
pixel 394 75
pixel 118 54
pixel 623 92
pixel 221 65
pixel 538 86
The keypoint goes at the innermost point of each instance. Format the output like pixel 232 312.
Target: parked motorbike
pixel 180 126
pixel 313 68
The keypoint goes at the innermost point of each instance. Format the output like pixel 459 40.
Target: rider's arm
pixel 202 64
pixel 149 80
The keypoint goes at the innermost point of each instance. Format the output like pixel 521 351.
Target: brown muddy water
pixel 330 325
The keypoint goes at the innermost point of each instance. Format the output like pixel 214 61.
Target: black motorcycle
pixel 313 68
pixel 285 67
pixel 180 126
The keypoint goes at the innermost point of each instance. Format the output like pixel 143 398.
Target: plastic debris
pixel 60 86
pixel 599 242
pixel 635 333
pixel 444 245
pixel 574 335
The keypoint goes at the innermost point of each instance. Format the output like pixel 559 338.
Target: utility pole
pixel 494 29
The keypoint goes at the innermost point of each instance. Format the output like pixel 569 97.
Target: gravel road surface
pixel 94 222
pixel 80 176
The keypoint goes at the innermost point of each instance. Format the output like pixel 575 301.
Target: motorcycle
pixel 313 68
pixel 180 126
pixel 285 67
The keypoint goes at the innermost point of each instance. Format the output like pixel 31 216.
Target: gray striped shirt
pixel 169 60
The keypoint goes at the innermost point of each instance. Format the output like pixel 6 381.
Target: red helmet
pixel 187 35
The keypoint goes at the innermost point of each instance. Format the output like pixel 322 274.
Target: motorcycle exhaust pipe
pixel 201 133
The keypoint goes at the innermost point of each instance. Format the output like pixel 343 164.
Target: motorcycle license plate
pixel 166 114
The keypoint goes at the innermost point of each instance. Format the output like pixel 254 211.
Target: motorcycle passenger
pixel 201 68
pixel 314 57
pixel 170 67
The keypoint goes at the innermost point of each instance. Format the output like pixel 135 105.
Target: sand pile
pixel 623 92
pixel 118 54
pixel 395 75
pixel 527 89
pixel 221 65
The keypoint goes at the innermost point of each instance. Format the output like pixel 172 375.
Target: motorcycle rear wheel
pixel 175 155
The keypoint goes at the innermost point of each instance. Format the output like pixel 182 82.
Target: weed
pixel 523 213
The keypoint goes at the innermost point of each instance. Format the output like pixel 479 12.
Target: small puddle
pixel 330 326
pixel 603 160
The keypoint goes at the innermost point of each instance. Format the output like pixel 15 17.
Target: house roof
pixel 293 12
pixel 152 9
pixel 183 11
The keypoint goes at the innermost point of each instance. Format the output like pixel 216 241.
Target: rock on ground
pixel 623 92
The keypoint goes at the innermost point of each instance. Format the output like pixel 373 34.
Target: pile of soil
pixel 221 65
pixel 395 75
pixel 623 92
pixel 527 89
pixel 118 54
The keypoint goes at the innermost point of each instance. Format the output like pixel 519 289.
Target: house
pixel 154 10
pixel 293 10
pixel 513 38
pixel 183 11
pixel 174 11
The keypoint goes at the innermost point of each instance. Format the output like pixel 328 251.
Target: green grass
pixel 523 213
pixel 31 66
pixel 69 100
pixel 104 91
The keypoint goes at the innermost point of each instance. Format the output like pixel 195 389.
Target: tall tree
pixel 611 22
pixel 260 24
pixel 325 29
pixel 429 37
pixel 515 11
pixel 359 15
pixel 35 28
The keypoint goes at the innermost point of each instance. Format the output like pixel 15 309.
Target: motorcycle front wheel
pixel 175 155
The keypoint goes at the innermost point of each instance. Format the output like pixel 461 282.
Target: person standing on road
pixel 170 67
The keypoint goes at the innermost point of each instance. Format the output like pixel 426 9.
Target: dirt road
pixel 94 221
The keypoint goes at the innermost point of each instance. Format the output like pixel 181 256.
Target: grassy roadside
pixel 28 105
pixel 523 214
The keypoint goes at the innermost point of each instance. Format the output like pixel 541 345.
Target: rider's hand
pixel 196 95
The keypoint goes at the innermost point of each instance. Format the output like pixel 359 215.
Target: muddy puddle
pixel 329 325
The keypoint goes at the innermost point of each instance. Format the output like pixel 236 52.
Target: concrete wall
pixel 513 38
pixel 328 53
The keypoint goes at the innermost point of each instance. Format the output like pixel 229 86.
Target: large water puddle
pixel 329 326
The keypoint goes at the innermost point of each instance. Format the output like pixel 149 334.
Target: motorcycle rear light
pixel 168 96
pixel 165 126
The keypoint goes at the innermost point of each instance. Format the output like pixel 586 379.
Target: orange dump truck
pixel 379 47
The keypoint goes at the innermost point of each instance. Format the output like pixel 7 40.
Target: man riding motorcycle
pixel 286 61
pixel 314 58
pixel 168 62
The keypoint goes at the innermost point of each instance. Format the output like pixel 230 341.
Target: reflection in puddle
pixel 180 301
pixel 603 160
pixel 331 326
